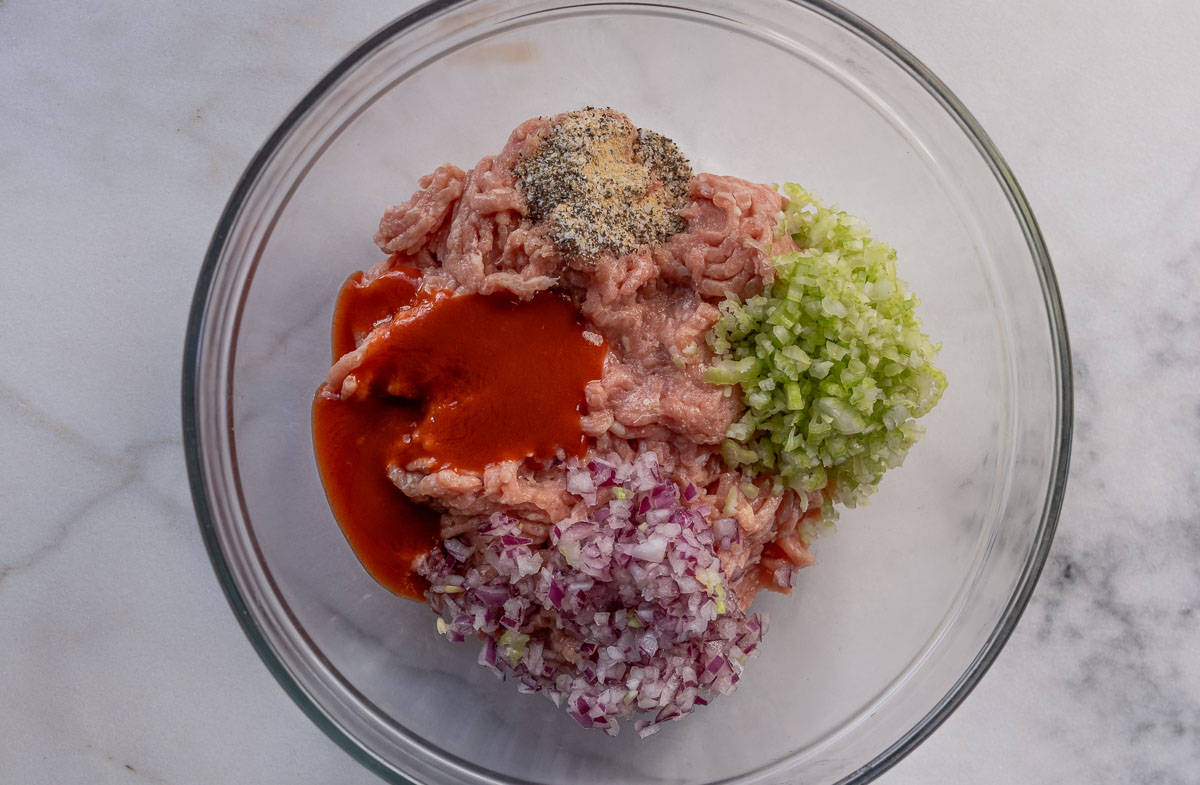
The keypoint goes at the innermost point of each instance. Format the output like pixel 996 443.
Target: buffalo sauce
pixel 455 382
pixel 363 304
pixel 387 530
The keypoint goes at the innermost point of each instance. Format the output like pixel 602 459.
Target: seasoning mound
pixel 602 185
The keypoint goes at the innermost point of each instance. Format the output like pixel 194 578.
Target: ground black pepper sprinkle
pixel 602 185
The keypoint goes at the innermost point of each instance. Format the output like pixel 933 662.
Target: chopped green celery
pixel 571 549
pixel 512 645
pixel 787 367
pixel 735 454
pixel 830 361
pixel 781 318
pixel 794 396
pixel 797 355
pixel 732 372
pixel 730 502
pixel 741 431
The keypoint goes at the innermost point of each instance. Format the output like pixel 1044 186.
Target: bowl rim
pixel 1061 449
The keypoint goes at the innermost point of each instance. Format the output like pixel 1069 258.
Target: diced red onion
pixel 460 550
pixel 653 549
pixel 556 593
pixel 603 474
pixel 487 655
pixel 491 595
pixel 629 604
pixel 579 482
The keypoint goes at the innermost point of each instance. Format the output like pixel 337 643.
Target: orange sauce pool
pixel 461 382
pixel 361 305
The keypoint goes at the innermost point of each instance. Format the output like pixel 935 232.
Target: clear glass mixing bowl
pixel 912 597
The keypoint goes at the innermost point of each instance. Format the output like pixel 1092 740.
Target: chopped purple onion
pixel 603 474
pixel 460 550
pixel 625 612
pixel 556 593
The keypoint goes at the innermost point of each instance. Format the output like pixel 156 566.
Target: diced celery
pixel 794 396
pixel 820 368
pixel 831 361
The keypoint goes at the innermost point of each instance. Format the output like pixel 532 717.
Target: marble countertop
pixel 123 128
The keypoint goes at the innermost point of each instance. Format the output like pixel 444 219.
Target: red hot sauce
pixel 458 381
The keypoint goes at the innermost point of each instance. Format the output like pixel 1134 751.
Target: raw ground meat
pixel 468 232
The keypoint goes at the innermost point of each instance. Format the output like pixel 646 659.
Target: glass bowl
pixel 913 596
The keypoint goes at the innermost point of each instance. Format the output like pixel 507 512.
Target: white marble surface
pixel 123 126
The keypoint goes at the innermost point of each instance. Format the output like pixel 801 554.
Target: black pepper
pixel 602 185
